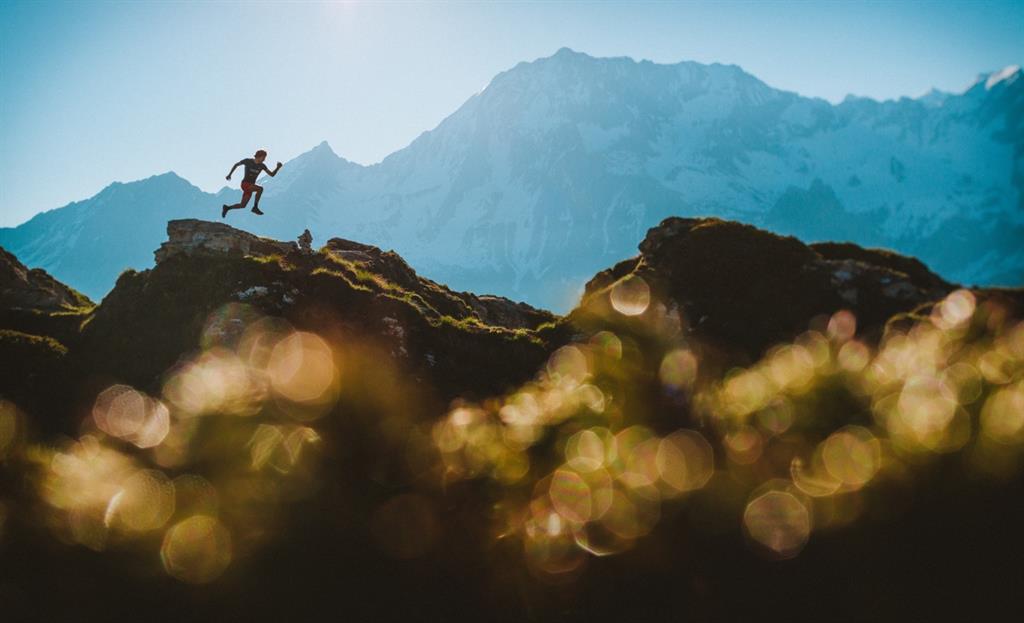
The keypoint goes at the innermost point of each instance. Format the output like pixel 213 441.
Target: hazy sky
pixel 92 93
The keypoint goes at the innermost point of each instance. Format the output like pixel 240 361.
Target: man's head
pixel 260 156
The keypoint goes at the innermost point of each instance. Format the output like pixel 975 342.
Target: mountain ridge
pixel 546 174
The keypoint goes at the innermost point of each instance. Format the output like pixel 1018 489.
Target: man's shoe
pixel 256 210
pixel 224 211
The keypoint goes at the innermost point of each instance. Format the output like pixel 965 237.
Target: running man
pixel 253 167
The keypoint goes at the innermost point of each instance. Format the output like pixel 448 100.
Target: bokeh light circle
pixel 631 296
pixel 196 550
pixel 778 521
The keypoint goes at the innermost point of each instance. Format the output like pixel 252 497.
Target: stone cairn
pixel 305 240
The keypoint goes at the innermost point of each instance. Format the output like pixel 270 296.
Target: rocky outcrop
pixel 195 237
pixel 491 310
pixel 458 342
pixel 912 268
pixel 748 288
pixel 34 289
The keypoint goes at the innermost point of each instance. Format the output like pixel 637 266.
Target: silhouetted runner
pixel 253 167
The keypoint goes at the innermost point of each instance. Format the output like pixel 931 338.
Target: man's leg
pixel 256 204
pixel 245 198
pixel 241 204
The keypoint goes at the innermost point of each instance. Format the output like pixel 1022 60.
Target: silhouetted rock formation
pixel 458 341
pixel 747 288
pixel 22 288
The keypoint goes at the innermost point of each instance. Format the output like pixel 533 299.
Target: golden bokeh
pixel 144 501
pixel 852 455
pixel 571 497
pixel 685 461
pixel 678 369
pixel 196 550
pixel 301 369
pixel 955 310
pixel 614 432
pixel 608 344
pixel 1002 417
pixel 779 521
pixel 121 411
pixel 587 450
pixel 631 296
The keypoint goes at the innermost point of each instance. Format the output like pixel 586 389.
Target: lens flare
pixel 813 480
pixel 631 296
pixel 608 344
pixel 854 356
pixel 226 326
pixel 1002 417
pixel 678 369
pixel 549 545
pixel 570 496
pixel 777 416
pixel 924 413
pixel 779 521
pixel 744 445
pixel 852 455
pixel 955 309
pixel 196 550
pixel 570 363
pixel 79 483
pixel 587 450
pixel 685 461
pixel 218 382
pixel 144 502
pixel 842 326
pixel 121 411
pixel 302 369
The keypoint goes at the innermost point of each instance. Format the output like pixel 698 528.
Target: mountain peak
pixel 565 52
pixel 1005 75
pixel 324 146
pixel 934 98
pixel 321 153
pixel 990 80
pixel 169 175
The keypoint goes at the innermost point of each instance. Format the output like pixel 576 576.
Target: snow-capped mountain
pixel 559 165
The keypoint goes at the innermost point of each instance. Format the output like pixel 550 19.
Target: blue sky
pixel 95 92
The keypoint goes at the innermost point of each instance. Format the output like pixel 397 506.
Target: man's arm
pixel 274 172
pixel 237 164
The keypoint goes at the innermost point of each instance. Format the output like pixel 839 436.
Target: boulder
pixel 196 237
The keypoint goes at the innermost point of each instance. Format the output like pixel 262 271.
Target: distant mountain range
pixel 559 165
